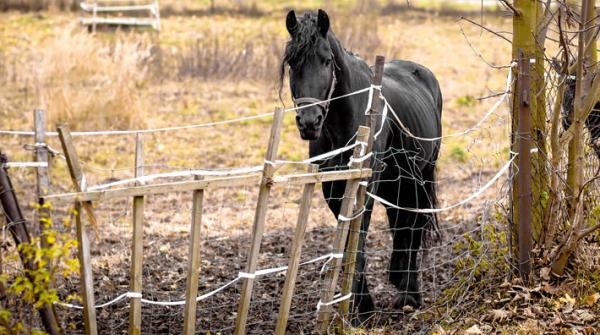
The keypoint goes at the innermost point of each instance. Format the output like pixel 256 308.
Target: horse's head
pixel 311 70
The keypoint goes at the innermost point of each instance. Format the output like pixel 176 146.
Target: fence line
pixel 369 89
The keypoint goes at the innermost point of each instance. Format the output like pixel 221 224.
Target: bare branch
pixel 485 28
pixel 478 54
pixel 588 231
pixel 510 6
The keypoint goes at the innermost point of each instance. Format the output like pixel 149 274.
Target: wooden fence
pixel 266 180
pixel 117 9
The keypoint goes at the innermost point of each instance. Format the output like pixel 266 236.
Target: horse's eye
pixel 328 61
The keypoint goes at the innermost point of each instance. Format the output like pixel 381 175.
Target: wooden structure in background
pixel 121 13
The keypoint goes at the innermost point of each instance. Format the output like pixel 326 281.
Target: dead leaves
pixel 592 299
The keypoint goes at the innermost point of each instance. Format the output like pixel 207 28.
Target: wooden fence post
pixel 292 271
pixel 42 216
pixel 42 172
pixel 87 282
pixel 191 290
pixel 259 221
pixel 137 247
pixel 77 176
pixel 524 162
pixel 355 224
pixel 331 278
pixel 86 277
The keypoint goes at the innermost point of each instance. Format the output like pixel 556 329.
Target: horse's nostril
pixel 319 119
pixel 298 119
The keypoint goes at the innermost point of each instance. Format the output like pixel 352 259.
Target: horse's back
pixel 406 73
pixel 414 94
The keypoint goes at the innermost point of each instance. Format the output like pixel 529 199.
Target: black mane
pixel 301 45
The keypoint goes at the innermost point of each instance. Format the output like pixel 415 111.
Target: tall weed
pixel 90 83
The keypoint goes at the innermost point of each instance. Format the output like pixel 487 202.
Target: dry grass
pixel 83 80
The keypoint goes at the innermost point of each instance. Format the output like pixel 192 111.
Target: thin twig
pixel 485 28
pixel 478 54
pixel 511 7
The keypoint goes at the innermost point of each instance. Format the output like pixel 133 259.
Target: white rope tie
pixel 334 301
pixel 356 215
pixel 329 259
pixel 359 159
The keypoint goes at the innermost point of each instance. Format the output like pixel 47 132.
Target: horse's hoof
pixel 362 318
pixel 365 311
pixel 407 302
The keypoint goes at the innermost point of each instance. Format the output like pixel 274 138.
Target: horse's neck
pixel 346 114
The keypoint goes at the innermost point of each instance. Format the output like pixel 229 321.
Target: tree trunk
pixel 586 61
pixel 527 26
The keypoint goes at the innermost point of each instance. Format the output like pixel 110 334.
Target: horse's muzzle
pixel 309 125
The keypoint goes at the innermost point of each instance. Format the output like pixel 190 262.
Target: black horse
pixel 320 68
pixel 592 122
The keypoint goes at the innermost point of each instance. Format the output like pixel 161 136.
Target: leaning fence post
pixel 17 225
pixel 191 290
pixel 86 277
pixel 137 247
pixel 259 222
pixel 324 307
pixel 355 224
pixel 292 271
pixel 87 282
pixel 75 170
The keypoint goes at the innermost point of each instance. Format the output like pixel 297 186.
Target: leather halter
pixel 322 103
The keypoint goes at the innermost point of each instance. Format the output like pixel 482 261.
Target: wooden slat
pixel 191 291
pixel 331 277
pixel 89 7
pixel 259 220
pixel 75 171
pixel 190 185
pixel 137 248
pixel 87 281
pixel 292 271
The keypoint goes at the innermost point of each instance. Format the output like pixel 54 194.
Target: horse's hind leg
pixel 407 231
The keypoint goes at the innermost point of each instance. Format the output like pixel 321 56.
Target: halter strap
pixel 323 103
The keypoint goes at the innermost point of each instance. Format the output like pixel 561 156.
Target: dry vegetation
pixel 221 63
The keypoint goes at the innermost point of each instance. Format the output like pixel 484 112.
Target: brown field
pixel 214 66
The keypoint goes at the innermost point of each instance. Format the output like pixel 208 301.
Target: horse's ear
pixel 323 22
pixel 291 22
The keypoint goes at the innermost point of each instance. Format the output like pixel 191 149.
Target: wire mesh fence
pixel 470 252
